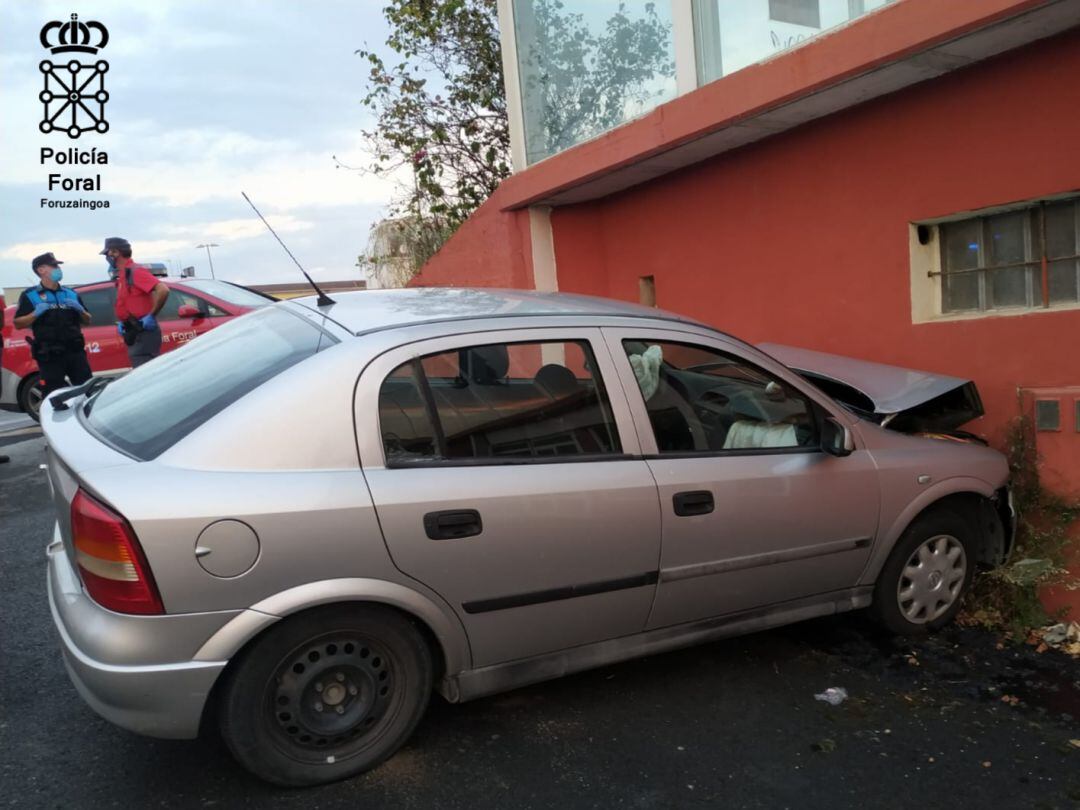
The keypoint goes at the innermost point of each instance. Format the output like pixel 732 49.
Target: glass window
pixel 732 34
pixel 180 298
pixel 497 402
pixel 796 12
pixel 701 400
pixel 586 66
pixel 99 304
pixel 147 411
pixel 1047 414
pixel 1062 251
pixel 996 262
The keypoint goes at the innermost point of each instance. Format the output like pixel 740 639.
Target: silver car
pixel 299 525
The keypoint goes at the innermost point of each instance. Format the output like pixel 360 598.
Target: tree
pixel 441 110
pixel 441 113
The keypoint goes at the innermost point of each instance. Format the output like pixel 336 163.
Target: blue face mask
pixel 56 274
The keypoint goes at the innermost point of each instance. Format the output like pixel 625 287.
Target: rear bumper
pixel 9 387
pixel 155 699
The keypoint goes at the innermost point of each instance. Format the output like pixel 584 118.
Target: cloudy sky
pixel 207 98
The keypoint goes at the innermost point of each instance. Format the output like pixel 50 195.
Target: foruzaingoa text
pixel 59 182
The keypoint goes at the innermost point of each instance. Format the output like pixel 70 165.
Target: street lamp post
pixel 209 258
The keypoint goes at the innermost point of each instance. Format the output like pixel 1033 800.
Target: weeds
pixel 1008 597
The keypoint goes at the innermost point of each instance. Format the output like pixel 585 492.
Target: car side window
pixel 701 400
pixel 100 305
pixel 504 402
pixel 179 298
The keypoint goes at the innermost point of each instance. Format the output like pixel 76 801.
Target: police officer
pixel 139 298
pixel 56 316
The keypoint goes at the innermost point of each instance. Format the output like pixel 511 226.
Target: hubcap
pixel 34 399
pixel 331 694
pixel 931 580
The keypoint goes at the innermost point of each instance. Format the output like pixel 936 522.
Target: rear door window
pixel 156 405
pixel 497 403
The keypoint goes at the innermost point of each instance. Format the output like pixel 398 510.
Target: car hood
pixel 904 399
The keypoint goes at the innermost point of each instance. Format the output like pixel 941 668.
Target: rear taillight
pixel 110 560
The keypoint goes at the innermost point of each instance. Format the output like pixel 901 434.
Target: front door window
pixel 701 400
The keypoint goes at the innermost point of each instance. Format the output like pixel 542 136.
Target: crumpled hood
pixel 902 398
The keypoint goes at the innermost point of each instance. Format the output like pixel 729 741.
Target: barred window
pixel 1025 258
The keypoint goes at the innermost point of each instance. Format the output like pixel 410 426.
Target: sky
pixel 206 99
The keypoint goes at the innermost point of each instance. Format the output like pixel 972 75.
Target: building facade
pixel 896 181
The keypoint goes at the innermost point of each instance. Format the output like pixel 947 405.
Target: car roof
pixel 366 311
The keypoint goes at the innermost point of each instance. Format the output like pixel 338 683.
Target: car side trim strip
pixel 757 560
pixel 564 592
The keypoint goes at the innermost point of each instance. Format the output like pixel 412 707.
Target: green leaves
pixel 441 112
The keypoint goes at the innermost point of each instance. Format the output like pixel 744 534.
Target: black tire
pixel 890 609
pixel 326 695
pixel 27 400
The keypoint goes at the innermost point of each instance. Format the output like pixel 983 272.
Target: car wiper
pixel 59 401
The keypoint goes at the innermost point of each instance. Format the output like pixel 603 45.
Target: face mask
pixel 111 262
pixel 56 274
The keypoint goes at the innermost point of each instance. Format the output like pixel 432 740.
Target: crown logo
pixel 74 36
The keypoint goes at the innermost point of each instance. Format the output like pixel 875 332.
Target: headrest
pixel 558 381
pixel 485 365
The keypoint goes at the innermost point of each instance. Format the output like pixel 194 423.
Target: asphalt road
pixel 730 724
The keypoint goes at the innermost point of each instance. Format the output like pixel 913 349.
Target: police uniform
pixel 58 343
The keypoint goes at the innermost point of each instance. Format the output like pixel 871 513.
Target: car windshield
pixel 229 293
pixel 156 405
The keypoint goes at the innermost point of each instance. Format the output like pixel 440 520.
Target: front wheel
pixel 921 586
pixel 29 397
pixel 326 695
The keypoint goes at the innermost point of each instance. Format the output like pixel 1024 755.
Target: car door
pixel 105 348
pixel 754 513
pixel 177 330
pixel 507 477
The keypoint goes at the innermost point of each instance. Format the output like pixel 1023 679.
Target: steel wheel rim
pixel 331 697
pixel 932 579
pixel 34 400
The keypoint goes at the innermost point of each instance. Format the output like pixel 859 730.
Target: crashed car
pixel 467 491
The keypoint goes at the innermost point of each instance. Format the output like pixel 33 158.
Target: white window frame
pixel 927 276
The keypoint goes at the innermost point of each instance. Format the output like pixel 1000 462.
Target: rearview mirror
pixel 836 439
pixel 188 311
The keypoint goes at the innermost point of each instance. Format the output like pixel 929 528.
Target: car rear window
pixel 156 405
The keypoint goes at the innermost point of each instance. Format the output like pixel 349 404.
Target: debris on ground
pixel 826 746
pixel 834 695
pixel 1061 636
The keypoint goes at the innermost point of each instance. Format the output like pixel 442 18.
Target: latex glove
pixel 120 328
pixel 70 300
pixel 41 309
pixel 148 322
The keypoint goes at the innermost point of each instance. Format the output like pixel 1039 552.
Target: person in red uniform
pixel 139 298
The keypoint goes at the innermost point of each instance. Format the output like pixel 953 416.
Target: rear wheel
pixel 923 581
pixel 326 695
pixel 29 397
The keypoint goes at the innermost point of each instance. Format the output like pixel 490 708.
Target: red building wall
pixel 491 249
pixel 803 238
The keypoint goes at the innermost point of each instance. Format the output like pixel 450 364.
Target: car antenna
pixel 324 300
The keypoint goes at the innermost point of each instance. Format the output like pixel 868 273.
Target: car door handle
pixel 453 524
pixel 699 502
